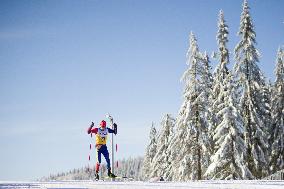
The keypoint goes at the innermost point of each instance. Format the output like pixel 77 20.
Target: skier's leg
pixel 99 158
pixel 106 155
pixel 98 162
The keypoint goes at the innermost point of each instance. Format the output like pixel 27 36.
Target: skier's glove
pixel 115 128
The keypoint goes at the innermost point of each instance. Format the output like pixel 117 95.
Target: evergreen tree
pixel 277 154
pixel 266 111
pixel 150 153
pixel 228 161
pixel 220 74
pixel 205 113
pixel 251 82
pixel 189 142
pixel 206 78
pixel 161 160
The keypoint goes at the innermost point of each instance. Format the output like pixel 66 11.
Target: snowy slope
pixel 252 184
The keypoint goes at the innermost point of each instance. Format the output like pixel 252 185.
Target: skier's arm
pixel 94 130
pixel 114 130
pixel 91 130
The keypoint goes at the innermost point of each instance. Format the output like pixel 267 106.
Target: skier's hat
pixel 103 123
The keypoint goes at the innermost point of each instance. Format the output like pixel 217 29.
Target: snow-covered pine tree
pixel 277 155
pixel 207 78
pixel 188 144
pixel 228 161
pixel 269 90
pixel 266 111
pixel 137 168
pixel 161 159
pixel 168 172
pixel 150 153
pixel 206 115
pixel 220 74
pixel 223 52
pixel 251 82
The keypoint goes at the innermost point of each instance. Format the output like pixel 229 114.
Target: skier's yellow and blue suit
pixel 101 138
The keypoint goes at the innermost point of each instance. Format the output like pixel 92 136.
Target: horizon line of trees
pixel 129 168
pixel 231 123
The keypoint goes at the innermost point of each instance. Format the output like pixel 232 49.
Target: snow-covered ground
pixel 252 184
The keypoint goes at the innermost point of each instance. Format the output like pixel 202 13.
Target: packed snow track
pixel 242 184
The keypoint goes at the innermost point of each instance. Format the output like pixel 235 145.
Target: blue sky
pixel 66 63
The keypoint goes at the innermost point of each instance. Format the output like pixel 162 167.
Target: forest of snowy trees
pixel 231 122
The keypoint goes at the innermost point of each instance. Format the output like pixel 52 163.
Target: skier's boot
pixel 97 176
pixel 97 171
pixel 110 174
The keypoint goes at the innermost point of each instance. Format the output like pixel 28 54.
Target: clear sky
pixel 66 63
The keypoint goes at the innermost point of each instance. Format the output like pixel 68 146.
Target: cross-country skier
pixel 101 139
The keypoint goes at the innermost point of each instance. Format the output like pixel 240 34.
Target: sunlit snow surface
pixel 252 184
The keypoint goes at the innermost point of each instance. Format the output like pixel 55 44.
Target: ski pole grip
pixel 115 128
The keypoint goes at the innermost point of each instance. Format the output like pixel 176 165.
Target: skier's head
pixel 103 124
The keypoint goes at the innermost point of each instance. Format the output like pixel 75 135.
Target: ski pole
pixel 112 146
pixel 116 148
pixel 89 157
